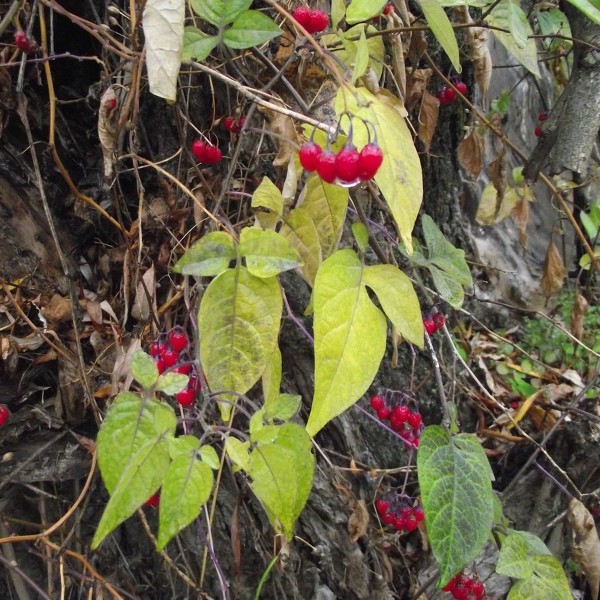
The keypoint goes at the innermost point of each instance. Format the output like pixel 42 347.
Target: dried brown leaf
pixel 586 544
pixel 554 272
pixel 145 296
pixel 358 523
pixel 520 215
pixel 580 307
pixel 285 135
pixel 399 65
pixel 428 118
pixel 57 311
pixel 416 85
pixel 470 153
pixel 107 128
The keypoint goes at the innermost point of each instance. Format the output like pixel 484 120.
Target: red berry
pixel 419 514
pixel 410 523
pixel 369 161
pixel 401 413
pixel 377 402
pixel 439 320
pixel 309 156
pixel 326 166
pixel 4 414
pixel 430 327
pixel 477 589
pixel 183 369
pixel 153 500
pixel 542 116
pixel 24 43
pixel 186 397
pixel 388 8
pixel 514 405
pixel 346 164
pixel 399 522
pixel 194 383
pixel 538 131
pixel 237 126
pixel 446 96
pixel 414 420
pixel 229 123
pixel 381 505
pixel 461 86
pixel 213 155
pixel 199 150
pixel 388 518
pixel 318 21
pixel 451 585
pixel 161 365
pixel 384 413
pixel 302 15
pixel 178 339
pixel 170 357
pixel 155 349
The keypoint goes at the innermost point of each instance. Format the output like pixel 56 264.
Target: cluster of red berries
pixel 234 125
pixel 434 322
pixel 403 420
pixel 206 153
pixel 447 95
pixel 4 414
pixel 463 587
pixel 170 352
pixel 312 20
pixel 399 512
pixel 541 118
pixel 347 166
pixel 25 43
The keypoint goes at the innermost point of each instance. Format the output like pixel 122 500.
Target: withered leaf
pixel 520 215
pixel 586 544
pixel 428 118
pixel 416 85
pixel 285 135
pixel 580 307
pixel 470 153
pixel 554 272
pixel 358 522
pixel 107 128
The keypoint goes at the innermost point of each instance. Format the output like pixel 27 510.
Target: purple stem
pixel 296 320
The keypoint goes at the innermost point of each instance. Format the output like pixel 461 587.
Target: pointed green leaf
pixel 455 481
pixel 238 321
pixel 197 45
pixel 398 299
pixel 400 176
pixel 590 9
pixel 256 423
pixel 361 235
pixel 185 489
pixel 209 256
pixel 140 480
pixel 448 288
pixel 171 383
pixel 440 25
pixel 238 452
pixel 210 457
pixel 271 377
pixel 220 12
pixel 363 10
pixel 267 195
pixel 282 474
pixel 129 424
pixel 251 28
pixel 267 253
pixel 315 226
pixel 144 369
pixel 283 407
pixel 184 444
pixel 518 550
pixel 350 334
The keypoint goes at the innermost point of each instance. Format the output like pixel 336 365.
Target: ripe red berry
pixel 538 131
pixel 183 369
pixel 461 86
pixel 477 589
pixel 419 514
pixel 178 339
pixel 399 522
pixel 346 164
pixel 377 402
pixel 410 523
pixel 388 8
pixel 401 413
pixel 199 150
pixel 542 116
pixel 446 96
pixel 153 500
pixel 161 366
pixel 238 124
pixel 381 505
pixel 155 349
pixel 326 166
pixel 302 15
pixel 318 21
pixel 414 420
pixel 186 397
pixel 384 413
pixel 228 123
pixel 429 326
pixel 170 357
pixel 4 414
pixel 111 103
pixel 451 585
pixel 24 43
pixel 388 518
pixel 194 383
pixel 309 156
pixel 213 155
pixel 369 161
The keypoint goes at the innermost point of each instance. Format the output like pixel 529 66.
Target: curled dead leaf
pixel 107 128
pixel 520 215
pixel 285 135
pixel 428 118
pixel 358 522
pixel 580 307
pixel 586 544
pixel 470 153
pixel 416 85
pixel 554 272
pixel 497 173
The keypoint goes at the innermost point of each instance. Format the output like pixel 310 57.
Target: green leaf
pixel 185 489
pixel 267 253
pixel 363 10
pixel 282 474
pixel 338 10
pixel 220 12
pixel 315 226
pixel 350 334
pixel 238 452
pixel 171 383
pixel 449 289
pixel 271 377
pixel 361 235
pixel 251 28
pixel 267 195
pixel 361 57
pixel 256 423
pixel 184 444
pixel 589 225
pixel 283 407
pixel 400 177
pixel 518 550
pixel 140 480
pixel 238 321
pixel 554 22
pixel 398 299
pixel 590 9
pixel 454 477
pixel 197 45
pixel 207 257
pixel 440 25
pixel 129 424
pixel 210 457
pixel 144 369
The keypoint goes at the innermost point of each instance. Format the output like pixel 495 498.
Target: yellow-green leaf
pixel 267 253
pixel 363 10
pixel 440 25
pixel 267 195
pixel 210 255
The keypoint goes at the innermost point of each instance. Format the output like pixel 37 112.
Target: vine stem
pixel 438 379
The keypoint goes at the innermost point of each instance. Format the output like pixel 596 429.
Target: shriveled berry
pixel 542 116
pixel 414 420
pixel 384 413
pixel 153 501
pixel 381 505
pixel 377 402
pixel 186 397
pixel 228 123
pixel 318 21
pixel 369 161
pixel 309 156
pixel 24 43
pixel 461 86
pixel 538 132
pixel 4 414
pixel 170 357
pixel 178 339
pixel 388 8
pixel 326 166
pixel 346 164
